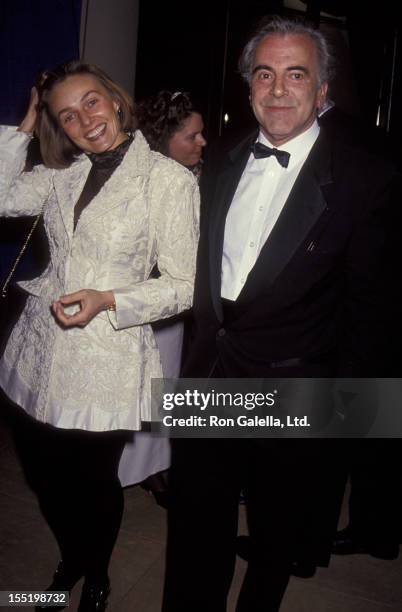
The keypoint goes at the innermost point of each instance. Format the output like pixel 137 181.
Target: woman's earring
pixel 120 114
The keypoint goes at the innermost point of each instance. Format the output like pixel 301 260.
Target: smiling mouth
pixel 98 131
pixel 278 108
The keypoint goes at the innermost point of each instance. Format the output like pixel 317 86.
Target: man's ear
pixel 321 95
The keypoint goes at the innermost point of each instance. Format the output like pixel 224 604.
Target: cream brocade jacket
pixel 98 378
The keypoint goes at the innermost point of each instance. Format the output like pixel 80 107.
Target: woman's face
pixel 185 145
pixel 87 113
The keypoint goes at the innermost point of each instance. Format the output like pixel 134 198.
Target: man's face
pixel 285 94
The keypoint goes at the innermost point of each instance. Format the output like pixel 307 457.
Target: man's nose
pixel 278 87
pixel 201 140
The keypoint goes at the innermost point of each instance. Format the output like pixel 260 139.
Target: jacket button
pixel 221 331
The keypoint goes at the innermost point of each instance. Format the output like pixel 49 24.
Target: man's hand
pixel 90 301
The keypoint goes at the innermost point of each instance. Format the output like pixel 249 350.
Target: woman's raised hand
pixel 28 122
pixel 90 301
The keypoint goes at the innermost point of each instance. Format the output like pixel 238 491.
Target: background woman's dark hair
pixel 161 115
pixel 57 150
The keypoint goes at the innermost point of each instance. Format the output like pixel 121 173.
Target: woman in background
pixel 172 125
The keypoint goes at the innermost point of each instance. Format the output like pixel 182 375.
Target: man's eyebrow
pixel 86 94
pixel 261 67
pixel 289 68
pixel 300 68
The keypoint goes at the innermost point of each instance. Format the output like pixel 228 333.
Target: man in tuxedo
pixel 289 283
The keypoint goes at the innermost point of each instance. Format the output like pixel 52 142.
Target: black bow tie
pixel 260 150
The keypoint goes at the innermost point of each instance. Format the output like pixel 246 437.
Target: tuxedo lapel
pixel 226 187
pixel 304 207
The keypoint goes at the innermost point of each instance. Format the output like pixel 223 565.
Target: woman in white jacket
pixel 79 361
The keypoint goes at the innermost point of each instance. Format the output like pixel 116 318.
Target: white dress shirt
pixel 260 196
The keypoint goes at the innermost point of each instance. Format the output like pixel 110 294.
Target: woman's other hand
pixel 90 301
pixel 28 122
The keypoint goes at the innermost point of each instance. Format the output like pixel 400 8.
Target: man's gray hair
pixel 282 26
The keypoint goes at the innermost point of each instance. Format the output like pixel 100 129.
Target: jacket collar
pixel 70 182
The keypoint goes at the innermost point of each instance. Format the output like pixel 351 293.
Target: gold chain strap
pixel 4 288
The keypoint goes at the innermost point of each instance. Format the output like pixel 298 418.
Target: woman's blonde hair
pixel 57 150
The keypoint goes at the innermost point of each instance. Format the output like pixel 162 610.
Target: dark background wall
pixel 34 35
pixel 196 48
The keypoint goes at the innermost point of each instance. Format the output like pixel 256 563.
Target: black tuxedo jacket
pixel 318 294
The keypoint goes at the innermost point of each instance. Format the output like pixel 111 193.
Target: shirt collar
pixel 299 147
